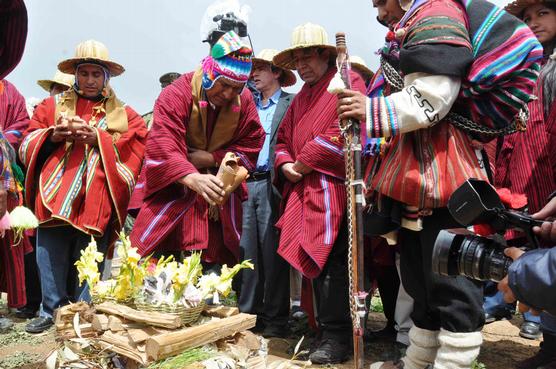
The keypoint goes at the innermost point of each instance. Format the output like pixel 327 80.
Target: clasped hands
pixel 73 129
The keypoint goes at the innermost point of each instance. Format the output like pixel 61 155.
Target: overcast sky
pixel 152 37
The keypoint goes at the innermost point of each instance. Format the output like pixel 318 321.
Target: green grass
pixel 18 359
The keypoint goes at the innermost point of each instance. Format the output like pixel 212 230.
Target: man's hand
pixel 352 104
pixel 504 287
pixel 206 185
pixel 290 173
pixel 61 131
pixel 201 159
pixel 548 229
pixel 299 167
pixel 85 134
pixel 3 202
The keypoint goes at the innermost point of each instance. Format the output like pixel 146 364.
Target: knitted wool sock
pixel 457 350
pixel 421 351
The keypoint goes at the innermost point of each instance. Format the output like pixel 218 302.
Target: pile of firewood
pixel 143 336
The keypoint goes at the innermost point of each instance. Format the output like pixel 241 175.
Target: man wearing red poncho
pixel 198 119
pixel 83 152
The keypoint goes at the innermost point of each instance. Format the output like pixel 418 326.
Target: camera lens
pixel 460 252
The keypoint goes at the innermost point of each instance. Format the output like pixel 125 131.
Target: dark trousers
pixel 265 290
pixel 331 292
pixel 32 280
pixel 451 303
pixel 58 248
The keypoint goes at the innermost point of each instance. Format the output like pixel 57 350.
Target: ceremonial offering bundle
pixel 156 285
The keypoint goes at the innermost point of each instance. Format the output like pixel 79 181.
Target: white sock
pixel 457 350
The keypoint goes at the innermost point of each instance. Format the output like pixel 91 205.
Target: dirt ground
pixel 501 349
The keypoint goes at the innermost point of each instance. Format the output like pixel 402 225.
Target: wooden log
pixel 172 343
pixel 138 335
pixel 151 318
pixel 133 354
pixel 115 324
pixel 86 330
pixel 100 322
pixel 220 311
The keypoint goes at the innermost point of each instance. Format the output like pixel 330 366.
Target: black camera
pixel 226 22
pixel 461 252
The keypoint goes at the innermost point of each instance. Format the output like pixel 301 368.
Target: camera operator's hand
pixel 504 287
pixel 548 229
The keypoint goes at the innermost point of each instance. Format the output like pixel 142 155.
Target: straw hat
pixel 360 66
pixel 60 78
pixel 13 34
pixel 305 36
pixel 266 56
pixel 518 6
pixel 94 52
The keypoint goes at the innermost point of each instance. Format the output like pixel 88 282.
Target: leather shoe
pixel 497 315
pixel 5 324
pixel 26 312
pixel 279 331
pixel 530 330
pixel 39 325
pixel 387 333
pixel 330 351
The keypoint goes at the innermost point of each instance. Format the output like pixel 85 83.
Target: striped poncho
pixel 495 56
pixel 87 187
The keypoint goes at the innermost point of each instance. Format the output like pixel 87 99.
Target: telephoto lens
pixel 460 252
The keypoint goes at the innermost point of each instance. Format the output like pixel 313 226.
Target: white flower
pixel 22 218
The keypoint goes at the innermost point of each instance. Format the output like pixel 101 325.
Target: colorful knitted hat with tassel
pixel 229 58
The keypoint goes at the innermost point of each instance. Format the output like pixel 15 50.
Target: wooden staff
pixel 355 203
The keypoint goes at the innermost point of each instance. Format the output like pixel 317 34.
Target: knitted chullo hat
pixel 230 58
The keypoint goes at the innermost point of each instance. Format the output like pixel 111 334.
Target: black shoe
pixel 540 359
pixel 330 351
pixel 387 333
pixel 297 313
pixel 280 331
pixel 498 315
pixel 26 312
pixel 5 324
pixel 259 327
pixel 39 325
pixel 530 330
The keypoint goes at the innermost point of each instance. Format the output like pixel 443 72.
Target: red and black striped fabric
pixel 13 34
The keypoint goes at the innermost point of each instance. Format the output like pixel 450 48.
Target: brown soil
pixel 501 349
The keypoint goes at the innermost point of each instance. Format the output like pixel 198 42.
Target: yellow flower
pixel 87 266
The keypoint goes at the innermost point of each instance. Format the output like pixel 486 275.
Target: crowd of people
pixel 464 90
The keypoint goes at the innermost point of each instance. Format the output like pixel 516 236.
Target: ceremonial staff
pixel 351 129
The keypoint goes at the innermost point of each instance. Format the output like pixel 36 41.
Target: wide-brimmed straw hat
pixel 360 66
pixel 60 78
pixel 13 34
pixel 518 6
pixel 94 52
pixel 305 36
pixel 265 57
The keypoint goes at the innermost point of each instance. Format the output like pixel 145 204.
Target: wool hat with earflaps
pixel 229 58
pixel 93 52
pixel 60 78
pixel 517 7
pixel 13 34
pixel 265 56
pixel 305 36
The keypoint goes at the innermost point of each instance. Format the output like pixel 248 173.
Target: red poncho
pixel 88 187
pixel 313 209
pixel 13 121
pixel 171 216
